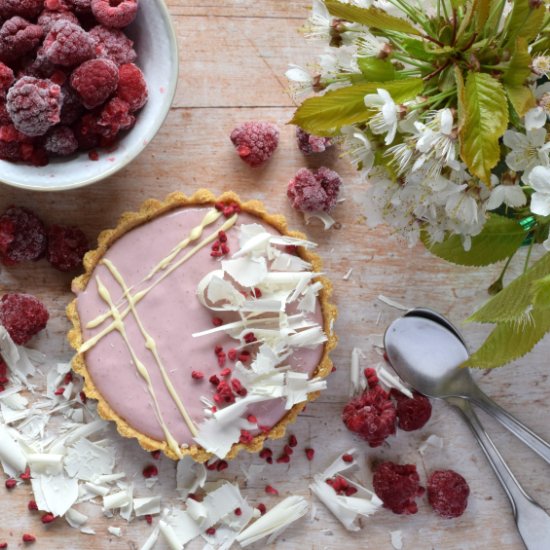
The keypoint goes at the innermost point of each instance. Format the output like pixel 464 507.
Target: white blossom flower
pixel 542 94
pixel 385 121
pixel 510 195
pixel 541 65
pixel 358 147
pixel 336 61
pixel 527 150
pixel 319 25
pixel 369 45
pixel 535 118
pixel 302 82
pixel 539 180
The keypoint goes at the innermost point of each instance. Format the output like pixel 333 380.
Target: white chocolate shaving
pixel 190 475
pixel 13 460
pixel 358 381
pixel 392 380
pixel 396 538
pixel 116 531
pixel 431 441
pixel 327 219
pixel 147 506
pixel 392 303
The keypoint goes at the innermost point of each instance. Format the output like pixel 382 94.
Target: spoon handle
pixel 532 521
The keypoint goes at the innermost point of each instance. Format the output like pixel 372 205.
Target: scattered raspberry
pixel 66 247
pixel 448 493
pixel 113 44
pixel 27 537
pixel 372 415
pixel 23 316
pixel 61 141
pixel 34 105
pixel 132 87
pixel 6 79
pixel 17 38
pixel 398 485
pixel 310 144
pixel 95 81
pixel 22 236
pixel 115 13
pixel 255 141
pixel 68 44
pixel 72 107
pixel 312 191
pixel 24 8
pixel 150 471
pixel 115 117
pixel 412 414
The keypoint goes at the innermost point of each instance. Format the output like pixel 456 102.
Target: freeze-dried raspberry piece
pixel 115 13
pixel 309 144
pixel 61 141
pixel 313 191
pixel 115 117
pixel 72 107
pixel 66 247
pixel 34 105
pixel 132 87
pixel 255 141
pixel 371 415
pixel 113 44
pixel 18 37
pixel 22 235
pixel 48 17
pixel 6 78
pixel 24 8
pixel 68 44
pixel 412 414
pixel 23 316
pixel 95 81
pixel 397 486
pixel 448 493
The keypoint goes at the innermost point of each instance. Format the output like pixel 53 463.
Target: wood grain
pixel 233 56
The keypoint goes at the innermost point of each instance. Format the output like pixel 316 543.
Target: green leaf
pixel 519 68
pixel 417 49
pixel 516 299
pixel 483 12
pixel 376 70
pixel 510 341
pixel 500 238
pixel 461 96
pixel 371 17
pixel 485 121
pixel 521 98
pixel 526 20
pixel 541 293
pixel 325 115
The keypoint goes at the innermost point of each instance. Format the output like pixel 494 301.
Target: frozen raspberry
pixel 4 115
pixel 115 117
pixel 95 81
pixel 371 415
pixel 72 107
pixel 86 132
pixel 22 236
pixel 23 316
pixel 9 150
pixel 68 44
pixel 66 247
pixel 412 414
pixel 309 144
pixel 40 66
pixel 313 191
pixel 6 79
pixel 132 87
pixel 61 141
pixel 24 8
pixel 3 374
pixel 397 486
pixel 48 17
pixel 448 493
pixel 34 105
pixel 34 154
pixel 10 141
pixel 255 141
pixel 115 13
pixel 81 6
pixel 113 44
pixel 18 37
pixel 57 5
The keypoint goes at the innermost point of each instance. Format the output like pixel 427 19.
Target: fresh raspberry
pixel 312 191
pixel 95 81
pixel 115 117
pixel 34 105
pixel 310 144
pixel 48 17
pixel 18 37
pixel 371 415
pixel 115 13
pixel 113 44
pixel 68 44
pixel 412 414
pixel 397 486
pixel 255 141
pixel 6 79
pixel 22 236
pixel 61 141
pixel 24 8
pixel 132 87
pixel 448 493
pixel 72 107
pixel 66 247
pixel 23 316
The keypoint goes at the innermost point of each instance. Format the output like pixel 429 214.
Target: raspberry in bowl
pixel 89 90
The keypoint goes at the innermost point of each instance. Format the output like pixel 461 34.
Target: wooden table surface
pixel 233 57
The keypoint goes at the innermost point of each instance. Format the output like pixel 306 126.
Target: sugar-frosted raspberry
pixel 115 117
pixel 22 235
pixel 132 87
pixel 24 8
pixel 61 141
pixel 371 415
pixel 17 38
pixel 23 316
pixel 34 105
pixel 412 414
pixel 68 44
pixel 448 493
pixel 397 486
pixel 6 79
pixel 66 247
pixel 255 141
pixel 309 144
pixel 95 81
pixel 313 191
pixel 72 107
pixel 48 17
pixel 115 13
pixel 113 44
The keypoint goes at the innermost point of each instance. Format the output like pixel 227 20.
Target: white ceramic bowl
pixel 155 43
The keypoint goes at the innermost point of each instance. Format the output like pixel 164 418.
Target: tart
pixel 202 325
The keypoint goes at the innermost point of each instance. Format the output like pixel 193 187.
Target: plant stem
pixel 526 265
pixel 497 286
